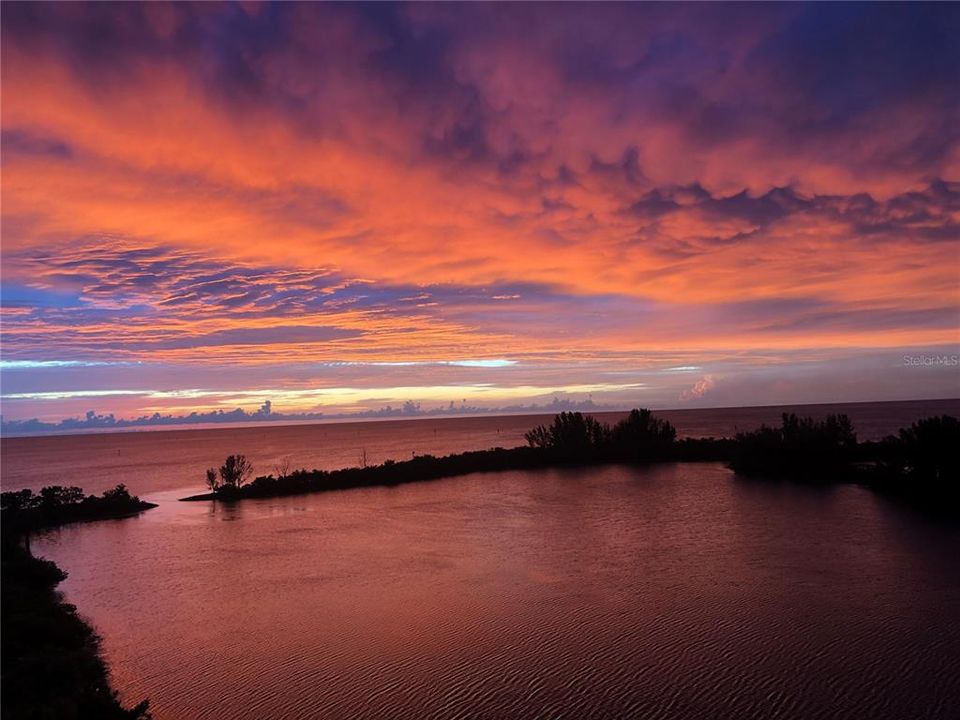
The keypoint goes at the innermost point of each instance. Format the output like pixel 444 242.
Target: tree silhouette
pixel 928 450
pixel 642 436
pixel 800 446
pixel 571 434
pixel 235 471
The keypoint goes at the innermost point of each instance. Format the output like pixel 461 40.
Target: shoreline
pixel 45 640
pixel 424 468
pixel 918 465
pixel 916 468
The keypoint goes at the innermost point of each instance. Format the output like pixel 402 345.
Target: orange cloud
pixel 427 186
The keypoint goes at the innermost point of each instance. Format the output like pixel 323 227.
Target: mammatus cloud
pixel 317 196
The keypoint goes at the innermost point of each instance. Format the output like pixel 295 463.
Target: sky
pixel 339 207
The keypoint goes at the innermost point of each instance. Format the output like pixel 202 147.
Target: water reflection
pixel 670 591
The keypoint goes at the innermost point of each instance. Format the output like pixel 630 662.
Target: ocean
pixel 669 591
pixel 153 461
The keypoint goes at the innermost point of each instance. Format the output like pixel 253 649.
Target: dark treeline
pixel 926 453
pixel 799 447
pixel 51 663
pixel 422 467
pixel 641 437
pixel 573 439
pixel 920 463
pixel 23 511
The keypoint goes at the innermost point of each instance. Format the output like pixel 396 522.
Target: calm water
pixel 673 591
pixel 150 462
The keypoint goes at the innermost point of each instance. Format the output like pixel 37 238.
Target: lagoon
pixel 669 591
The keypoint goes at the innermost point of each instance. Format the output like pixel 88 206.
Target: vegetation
pixel 799 447
pixel 422 467
pixel 640 437
pixel 233 474
pixel 572 439
pixel 572 435
pixel 919 463
pixel 929 451
pixel 23 511
pixel 51 665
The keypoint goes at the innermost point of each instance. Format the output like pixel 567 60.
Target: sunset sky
pixel 341 207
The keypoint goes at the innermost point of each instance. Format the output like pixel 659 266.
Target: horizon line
pixel 280 420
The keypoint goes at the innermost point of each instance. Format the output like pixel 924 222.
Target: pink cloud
pixel 700 388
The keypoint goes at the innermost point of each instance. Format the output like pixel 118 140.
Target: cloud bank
pixel 294 197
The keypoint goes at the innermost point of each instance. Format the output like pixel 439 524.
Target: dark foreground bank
pixel 51 662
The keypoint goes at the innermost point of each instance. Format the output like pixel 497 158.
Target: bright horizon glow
pixel 338 396
pixel 341 207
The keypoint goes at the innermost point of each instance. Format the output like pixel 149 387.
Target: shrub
pixel 571 434
pixel 801 446
pixel 642 435
pixel 928 450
